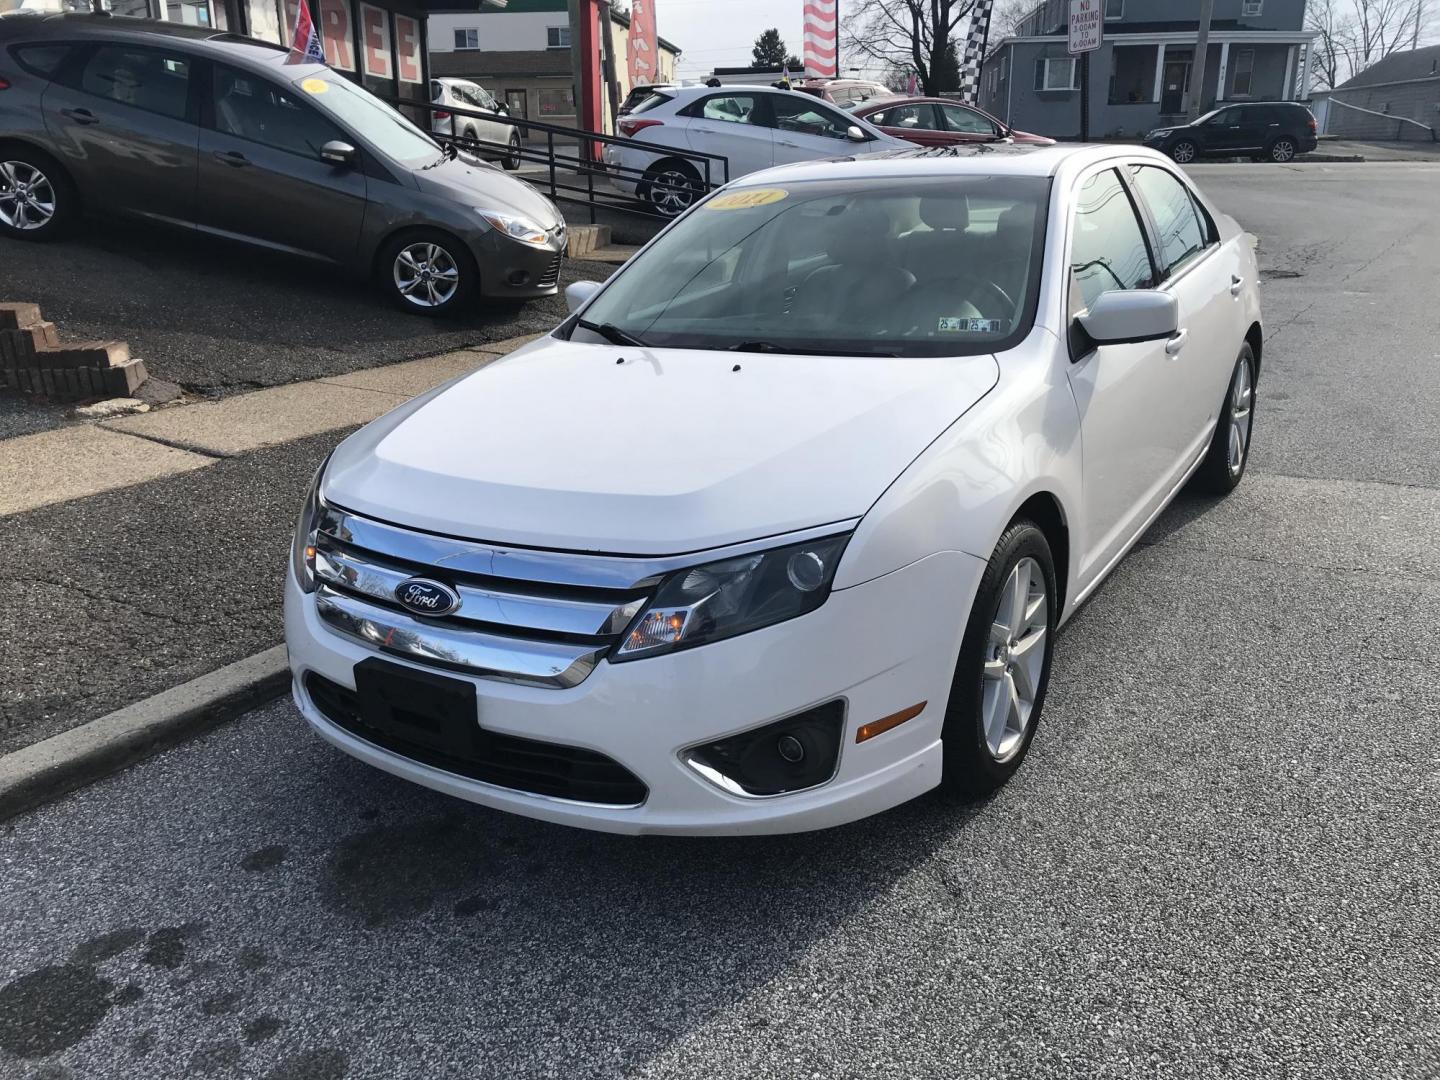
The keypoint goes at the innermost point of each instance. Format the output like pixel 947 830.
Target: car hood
pixel 561 445
pixel 472 182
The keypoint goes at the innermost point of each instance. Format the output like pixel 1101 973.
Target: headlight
pixel 517 228
pixel 721 599
pixel 302 547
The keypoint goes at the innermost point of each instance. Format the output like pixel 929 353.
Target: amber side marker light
pixel 885 723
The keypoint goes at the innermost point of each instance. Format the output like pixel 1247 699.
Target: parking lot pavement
pixel 1219 859
pixel 220 318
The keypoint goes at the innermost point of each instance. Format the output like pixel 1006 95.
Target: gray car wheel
pixel 427 273
pixel 1184 152
pixel 35 196
pixel 671 187
pixel 1282 149
pixel 512 159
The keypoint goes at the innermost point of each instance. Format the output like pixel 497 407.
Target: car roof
pixel 979 159
pixel 82 26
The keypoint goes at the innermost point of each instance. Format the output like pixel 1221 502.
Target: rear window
pixel 650 101
pixel 42 60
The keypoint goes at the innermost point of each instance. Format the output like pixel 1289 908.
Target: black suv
pixel 1263 130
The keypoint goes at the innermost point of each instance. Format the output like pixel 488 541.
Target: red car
pixel 940 122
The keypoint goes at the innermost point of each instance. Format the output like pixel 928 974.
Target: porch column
pixel 1305 72
pixel 1287 88
pixel 1159 72
pixel 1220 75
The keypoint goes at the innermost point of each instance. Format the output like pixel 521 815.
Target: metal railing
pixel 1387 116
pixel 577 173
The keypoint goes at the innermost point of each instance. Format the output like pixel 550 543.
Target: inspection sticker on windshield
pixel 744 200
pixel 314 86
pixel 971 326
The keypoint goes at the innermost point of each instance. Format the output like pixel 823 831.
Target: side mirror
pixel 338 153
pixel 1130 316
pixel 854 134
pixel 501 110
pixel 578 293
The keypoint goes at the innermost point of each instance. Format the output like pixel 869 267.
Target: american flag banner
pixel 306 41
pixel 822 44
pixel 974 48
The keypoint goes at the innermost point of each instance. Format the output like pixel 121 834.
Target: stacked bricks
pixel 33 360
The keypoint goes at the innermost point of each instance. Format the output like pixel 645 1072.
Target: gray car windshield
pixel 364 113
pixel 934 266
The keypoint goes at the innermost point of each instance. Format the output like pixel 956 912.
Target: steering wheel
pixel 965 285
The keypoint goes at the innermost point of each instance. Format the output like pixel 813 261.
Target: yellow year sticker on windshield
pixel 314 86
pixel 744 200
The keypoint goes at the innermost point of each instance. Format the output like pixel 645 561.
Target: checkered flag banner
pixel 974 46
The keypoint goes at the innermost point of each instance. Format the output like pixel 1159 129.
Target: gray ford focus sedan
pixel 238 138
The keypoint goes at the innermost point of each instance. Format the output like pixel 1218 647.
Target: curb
pixel 72 759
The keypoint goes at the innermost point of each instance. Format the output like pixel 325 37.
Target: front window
pixel 1243 72
pixel 1056 73
pixel 1108 249
pixel 363 112
pixel 252 108
pixel 967 121
pixel 1181 232
pixel 468 38
pixel 806 116
pixel 557 37
pixel 915 267
pixel 920 117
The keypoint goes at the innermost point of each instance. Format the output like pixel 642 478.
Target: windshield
pixel 364 113
pixel 940 266
pixel 1208 116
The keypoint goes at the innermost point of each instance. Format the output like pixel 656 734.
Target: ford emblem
pixel 426 597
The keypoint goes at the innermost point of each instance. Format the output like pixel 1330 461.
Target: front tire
pixel 512 158
pixel 1004 667
pixel 427 272
pixel 37 200
pixel 1224 465
pixel 1184 152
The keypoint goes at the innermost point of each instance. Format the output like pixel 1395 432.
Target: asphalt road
pixel 1220 858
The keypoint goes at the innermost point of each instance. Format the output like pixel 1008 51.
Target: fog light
pixel 798 752
pixel 519 277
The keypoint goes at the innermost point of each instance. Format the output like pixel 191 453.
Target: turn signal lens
pixel 885 723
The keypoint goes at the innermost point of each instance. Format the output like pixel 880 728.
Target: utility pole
pixel 612 76
pixel 1202 53
pixel 1419 14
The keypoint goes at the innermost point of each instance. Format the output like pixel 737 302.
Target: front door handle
pixel 1236 284
pixel 231 157
pixel 80 116
pixel 1176 343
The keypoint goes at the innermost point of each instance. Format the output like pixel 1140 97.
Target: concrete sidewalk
pixel 1375 151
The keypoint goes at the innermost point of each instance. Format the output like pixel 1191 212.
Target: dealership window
pixel 1056 73
pixel 1114 9
pixel 556 102
pixel 1243 73
pixel 469 38
pixel 557 37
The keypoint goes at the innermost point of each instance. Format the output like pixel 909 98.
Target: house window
pixel 1244 72
pixel 1004 66
pixel 1251 8
pixel 467 39
pixel 1056 73
pixel 557 37
pixel 1114 9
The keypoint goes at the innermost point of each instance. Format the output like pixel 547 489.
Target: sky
pixel 720 33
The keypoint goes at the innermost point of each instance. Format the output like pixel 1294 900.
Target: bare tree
pixel 913 35
pixel 1331 64
pixel 1353 34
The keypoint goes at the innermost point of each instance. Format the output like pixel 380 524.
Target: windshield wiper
pixel 775 347
pixel 611 333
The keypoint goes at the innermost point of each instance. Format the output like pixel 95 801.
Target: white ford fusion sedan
pixel 776 529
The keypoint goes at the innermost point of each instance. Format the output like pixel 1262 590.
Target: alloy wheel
pixel 1242 402
pixel 1014 659
pixel 672 192
pixel 1283 150
pixel 27 197
pixel 426 274
pixel 513 161
pixel 1184 153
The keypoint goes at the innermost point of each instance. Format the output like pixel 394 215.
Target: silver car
pixel 492 128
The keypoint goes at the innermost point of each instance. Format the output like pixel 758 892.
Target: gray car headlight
pixel 516 228
pixel 721 599
pixel 302 547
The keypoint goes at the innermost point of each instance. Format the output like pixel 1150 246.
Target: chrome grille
pixel 552 272
pixel 540 618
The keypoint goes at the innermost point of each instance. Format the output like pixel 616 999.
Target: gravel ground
pixel 1220 858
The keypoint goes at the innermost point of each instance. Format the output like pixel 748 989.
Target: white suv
pixel 492 127
pixel 752 127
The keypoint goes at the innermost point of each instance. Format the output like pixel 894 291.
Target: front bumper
pixel 512 270
pixel 881 647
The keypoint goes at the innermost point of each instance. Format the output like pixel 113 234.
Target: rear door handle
pixel 1176 343
pixel 1236 284
pixel 80 116
pixel 231 157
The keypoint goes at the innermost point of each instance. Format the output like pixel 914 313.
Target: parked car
pixel 229 137
pixel 493 127
pixel 640 93
pixel 1263 130
pixel 941 122
pixel 752 127
pixel 897 418
pixel 847 93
